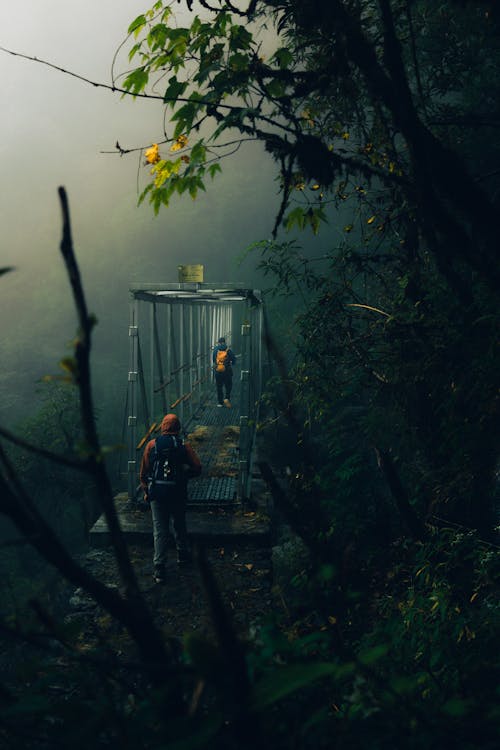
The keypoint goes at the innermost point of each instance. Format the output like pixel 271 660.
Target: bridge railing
pixel 172 331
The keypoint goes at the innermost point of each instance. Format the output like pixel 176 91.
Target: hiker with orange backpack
pixel 167 465
pixel 223 360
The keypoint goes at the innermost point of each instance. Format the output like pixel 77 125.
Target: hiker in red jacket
pixel 167 464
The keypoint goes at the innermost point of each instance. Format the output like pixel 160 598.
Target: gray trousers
pixel 162 511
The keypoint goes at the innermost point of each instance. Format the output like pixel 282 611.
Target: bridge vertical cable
pixel 184 323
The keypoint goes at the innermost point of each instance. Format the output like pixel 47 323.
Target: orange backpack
pixel 221 360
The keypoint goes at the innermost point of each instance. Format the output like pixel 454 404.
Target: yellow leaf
pixel 371 220
pixel 152 154
pixel 315 186
pixel 249 566
pixel 346 136
pixel 68 364
pixel 348 228
pixel 473 597
pixel 470 634
pixel 332 620
pixel 306 115
pixel 179 143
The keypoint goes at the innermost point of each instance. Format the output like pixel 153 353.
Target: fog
pixel 54 129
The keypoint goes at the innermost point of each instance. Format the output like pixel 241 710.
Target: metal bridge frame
pixel 170 360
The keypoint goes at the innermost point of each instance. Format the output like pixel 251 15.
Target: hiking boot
pixel 220 405
pixel 159 574
pixel 227 403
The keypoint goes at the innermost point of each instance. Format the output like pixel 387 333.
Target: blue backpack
pixel 166 466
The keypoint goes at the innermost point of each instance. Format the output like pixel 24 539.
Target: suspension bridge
pixel 173 328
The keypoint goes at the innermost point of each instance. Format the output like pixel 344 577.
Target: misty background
pixel 54 129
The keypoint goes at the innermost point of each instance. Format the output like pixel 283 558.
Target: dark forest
pixel 377 444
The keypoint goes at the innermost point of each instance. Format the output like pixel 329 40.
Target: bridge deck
pixel 214 434
pixel 214 513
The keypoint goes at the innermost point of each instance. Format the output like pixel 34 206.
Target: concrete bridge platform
pixel 212 528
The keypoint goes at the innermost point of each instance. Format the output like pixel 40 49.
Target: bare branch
pixel 54 457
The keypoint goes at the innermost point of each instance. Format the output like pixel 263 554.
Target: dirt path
pixel 238 549
pixel 243 574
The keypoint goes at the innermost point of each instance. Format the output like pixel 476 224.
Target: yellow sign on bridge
pixel 192 273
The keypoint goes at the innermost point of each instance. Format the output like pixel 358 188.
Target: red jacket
pixel 170 426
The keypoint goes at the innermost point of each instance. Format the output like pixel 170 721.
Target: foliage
pixel 340 96
pixel 431 616
pixel 373 108
pixel 360 109
pixel 64 496
pixel 422 672
pixel 388 398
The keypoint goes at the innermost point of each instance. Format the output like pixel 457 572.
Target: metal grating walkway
pixel 214 434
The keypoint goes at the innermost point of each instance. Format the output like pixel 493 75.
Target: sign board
pixel 193 273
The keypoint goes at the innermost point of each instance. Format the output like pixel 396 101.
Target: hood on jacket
pixel 170 425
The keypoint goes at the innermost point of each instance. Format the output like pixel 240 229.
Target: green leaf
pixel 371 655
pixel 283 57
pixel 144 193
pixel 213 169
pixel 136 81
pixel 158 36
pixel 175 89
pixel 456 707
pixel 240 38
pixel 238 62
pixel 184 116
pixel 198 153
pixel 135 49
pixel 283 682
pixel 137 25
pixel 275 88
pixel 295 218
pixel 326 573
